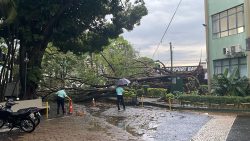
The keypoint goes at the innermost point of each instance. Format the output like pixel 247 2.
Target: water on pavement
pixel 152 123
pixel 105 122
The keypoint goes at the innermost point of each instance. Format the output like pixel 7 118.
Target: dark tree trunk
pixel 30 73
pixel 22 52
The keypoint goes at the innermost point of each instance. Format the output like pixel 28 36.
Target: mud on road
pixel 105 123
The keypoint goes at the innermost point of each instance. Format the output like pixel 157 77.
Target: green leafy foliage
pixel 89 70
pixel 80 26
pixel 67 68
pixel 215 99
pixel 230 84
pixel 156 92
pixel 139 92
pixel 120 60
pixel 76 26
pixel 34 75
pixel 169 96
pixel 130 93
pixel 7 12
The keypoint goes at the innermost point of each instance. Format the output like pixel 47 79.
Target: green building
pixel 227 36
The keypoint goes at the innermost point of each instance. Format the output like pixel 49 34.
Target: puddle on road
pixel 94 126
pixel 137 124
pixel 114 118
pixel 148 137
pixel 151 123
pixel 122 123
pixel 117 121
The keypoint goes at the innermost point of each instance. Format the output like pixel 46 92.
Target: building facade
pixel 227 36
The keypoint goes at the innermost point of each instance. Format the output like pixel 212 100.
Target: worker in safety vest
pixel 61 95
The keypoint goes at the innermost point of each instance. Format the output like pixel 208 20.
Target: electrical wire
pixel 167 28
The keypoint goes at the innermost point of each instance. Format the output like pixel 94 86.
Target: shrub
pixel 139 92
pixel 214 99
pixel 129 93
pixel 203 89
pixel 194 92
pixel 245 99
pixel 230 84
pixel 177 94
pixel 169 96
pixel 156 92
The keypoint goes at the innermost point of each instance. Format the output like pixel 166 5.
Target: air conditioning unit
pixel 226 51
pixel 236 49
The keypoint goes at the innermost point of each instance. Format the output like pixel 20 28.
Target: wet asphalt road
pixel 154 124
pixel 240 130
pixel 105 122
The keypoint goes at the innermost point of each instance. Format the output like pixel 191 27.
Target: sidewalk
pixel 70 128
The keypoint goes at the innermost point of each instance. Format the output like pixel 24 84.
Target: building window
pixel 231 64
pixel 228 22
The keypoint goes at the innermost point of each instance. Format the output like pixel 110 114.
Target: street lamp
pixel 26 60
pixel 1 21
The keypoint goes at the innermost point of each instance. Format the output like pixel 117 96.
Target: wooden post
pixel 47 109
pixel 142 101
pixel 169 102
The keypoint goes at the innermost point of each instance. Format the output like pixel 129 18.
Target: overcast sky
pixel 186 32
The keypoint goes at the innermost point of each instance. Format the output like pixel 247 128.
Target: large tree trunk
pixel 30 73
pixel 35 51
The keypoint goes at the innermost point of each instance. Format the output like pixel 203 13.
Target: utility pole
pixel 171 57
pixel 206 25
pixel 171 68
pixel 26 60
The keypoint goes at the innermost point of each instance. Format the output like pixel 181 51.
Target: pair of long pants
pixel 120 101
pixel 60 102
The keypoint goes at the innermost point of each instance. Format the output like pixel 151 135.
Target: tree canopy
pixel 102 69
pixel 73 25
pixel 124 61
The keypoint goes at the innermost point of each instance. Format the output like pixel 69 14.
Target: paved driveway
pixel 105 123
pixel 70 128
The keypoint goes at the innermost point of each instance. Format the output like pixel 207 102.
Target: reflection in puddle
pixel 147 137
pixel 121 123
pixel 150 123
pixel 94 126
pixel 117 121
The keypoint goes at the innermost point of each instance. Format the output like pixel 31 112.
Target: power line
pixel 167 28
